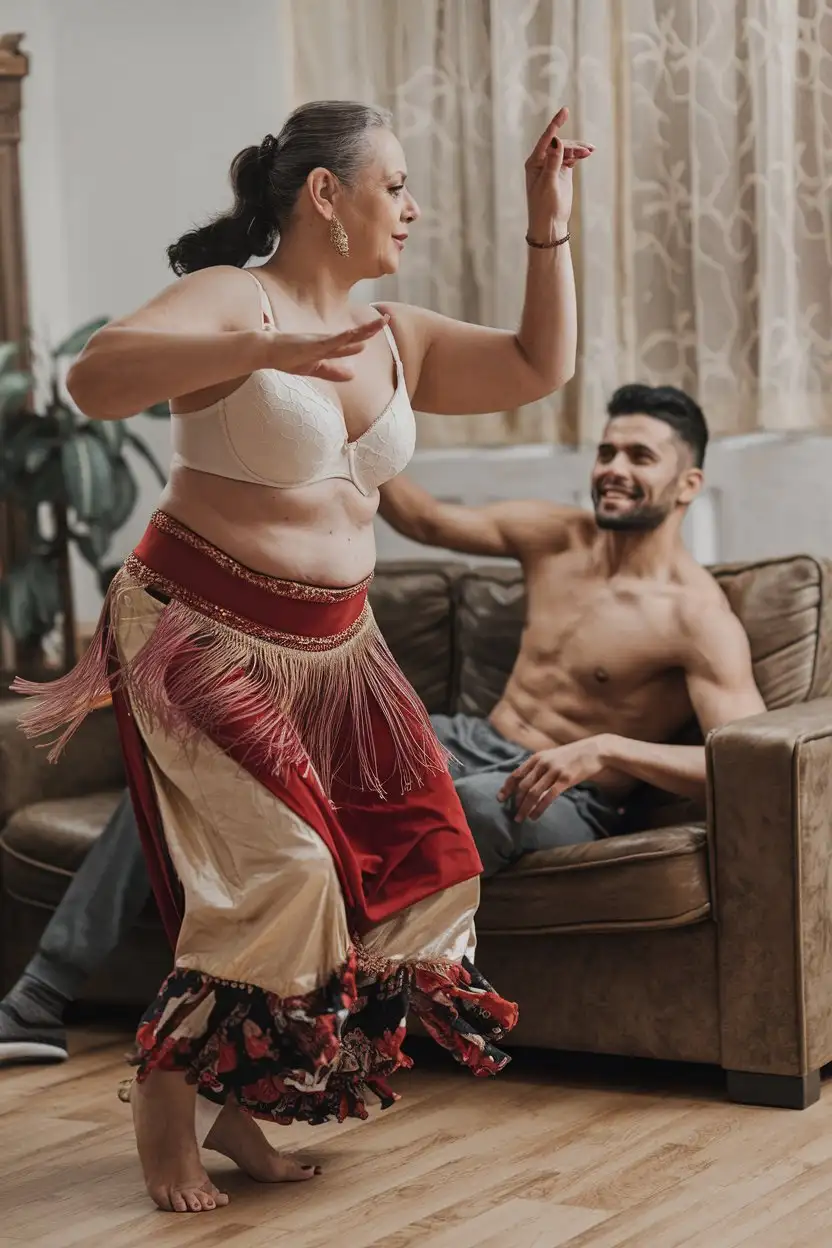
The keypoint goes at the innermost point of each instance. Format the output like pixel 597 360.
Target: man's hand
pixel 548 773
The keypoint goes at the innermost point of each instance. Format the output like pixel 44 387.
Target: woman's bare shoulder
pixel 218 297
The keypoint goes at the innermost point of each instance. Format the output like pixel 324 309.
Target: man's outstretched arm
pixel 504 529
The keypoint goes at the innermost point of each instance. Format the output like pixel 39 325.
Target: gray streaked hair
pixel 267 179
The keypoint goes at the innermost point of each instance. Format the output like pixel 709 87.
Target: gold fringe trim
pixel 144 576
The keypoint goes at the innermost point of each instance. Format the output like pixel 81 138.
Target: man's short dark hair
pixel 666 403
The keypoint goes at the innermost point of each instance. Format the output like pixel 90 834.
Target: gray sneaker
pixel 23 1040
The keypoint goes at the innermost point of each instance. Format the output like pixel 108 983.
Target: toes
pixel 192 1200
pixel 293 1172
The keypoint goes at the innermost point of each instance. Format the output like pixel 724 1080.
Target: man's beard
pixel 644 518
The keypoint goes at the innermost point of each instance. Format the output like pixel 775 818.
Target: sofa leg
pixel 778 1091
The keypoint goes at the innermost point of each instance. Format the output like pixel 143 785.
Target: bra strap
pixel 265 301
pixel 389 335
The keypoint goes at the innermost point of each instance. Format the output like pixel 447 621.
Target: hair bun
pixel 267 147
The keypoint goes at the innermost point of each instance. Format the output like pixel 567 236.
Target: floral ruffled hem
pixel 316 1058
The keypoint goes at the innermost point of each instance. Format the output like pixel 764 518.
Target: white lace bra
pixel 278 429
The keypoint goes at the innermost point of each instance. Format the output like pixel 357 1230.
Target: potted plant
pixel 72 479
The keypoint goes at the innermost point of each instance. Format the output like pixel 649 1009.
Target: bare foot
pixel 163 1117
pixel 235 1134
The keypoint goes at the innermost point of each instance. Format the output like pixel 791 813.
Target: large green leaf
pixel 14 391
pixel 12 426
pixel 18 607
pixel 30 598
pixel 46 593
pixel 142 449
pixel 125 495
pixel 25 452
pixel 109 432
pixel 9 352
pixel 38 454
pixel 93 545
pixel 45 486
pixel 78 339
pixel 88 473
pixel 66 421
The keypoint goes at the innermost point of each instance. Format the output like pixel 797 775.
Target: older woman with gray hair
pixel 306 846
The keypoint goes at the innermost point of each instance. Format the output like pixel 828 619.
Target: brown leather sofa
pixel 692 938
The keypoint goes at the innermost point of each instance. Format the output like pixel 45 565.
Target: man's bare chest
pixel 599 634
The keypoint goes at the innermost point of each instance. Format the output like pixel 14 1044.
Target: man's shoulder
pixel 703 613
pixel 539 526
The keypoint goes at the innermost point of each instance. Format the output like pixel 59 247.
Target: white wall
pixel 132 112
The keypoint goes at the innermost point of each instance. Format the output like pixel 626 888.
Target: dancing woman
pixel 308 852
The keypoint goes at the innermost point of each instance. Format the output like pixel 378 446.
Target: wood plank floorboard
pixel 558 1152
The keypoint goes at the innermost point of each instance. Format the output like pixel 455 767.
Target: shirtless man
pixel 626 637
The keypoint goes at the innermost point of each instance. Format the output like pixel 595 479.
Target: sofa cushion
pixel 40 849
pixel 92 760
pixel 642 881
pixel 786 609
pixel 490 610
pixel 43 845
pixel 413 605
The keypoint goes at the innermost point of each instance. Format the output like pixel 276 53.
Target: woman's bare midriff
pixel 319 534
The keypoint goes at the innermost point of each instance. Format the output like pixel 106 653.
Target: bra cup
pixel 276 429
pixel 386 449
pixel 279 435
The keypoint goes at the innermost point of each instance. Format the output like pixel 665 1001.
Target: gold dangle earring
pixel 338 237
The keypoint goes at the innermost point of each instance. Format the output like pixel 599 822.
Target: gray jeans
pixel 103 901
pixel 485 759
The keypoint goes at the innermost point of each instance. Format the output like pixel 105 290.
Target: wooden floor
pixel 553 1153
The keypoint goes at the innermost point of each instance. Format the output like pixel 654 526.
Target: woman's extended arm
pixel 202 331
pixel 459 368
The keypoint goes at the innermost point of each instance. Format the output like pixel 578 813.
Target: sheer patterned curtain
pixel 703 222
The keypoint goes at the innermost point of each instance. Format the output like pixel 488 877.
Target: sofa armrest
pixel 91 761
pixel 770 810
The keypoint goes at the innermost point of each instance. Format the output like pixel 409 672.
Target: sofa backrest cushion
pixel 784 605
pixel 491 606
pixel 414 606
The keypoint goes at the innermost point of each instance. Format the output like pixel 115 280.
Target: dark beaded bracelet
pixel 557 242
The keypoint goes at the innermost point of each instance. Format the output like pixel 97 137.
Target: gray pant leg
pixel 475 745
pixel 100 906
pixel 500 841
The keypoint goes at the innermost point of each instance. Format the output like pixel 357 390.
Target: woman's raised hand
pixel 549 180
pixel 320 355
